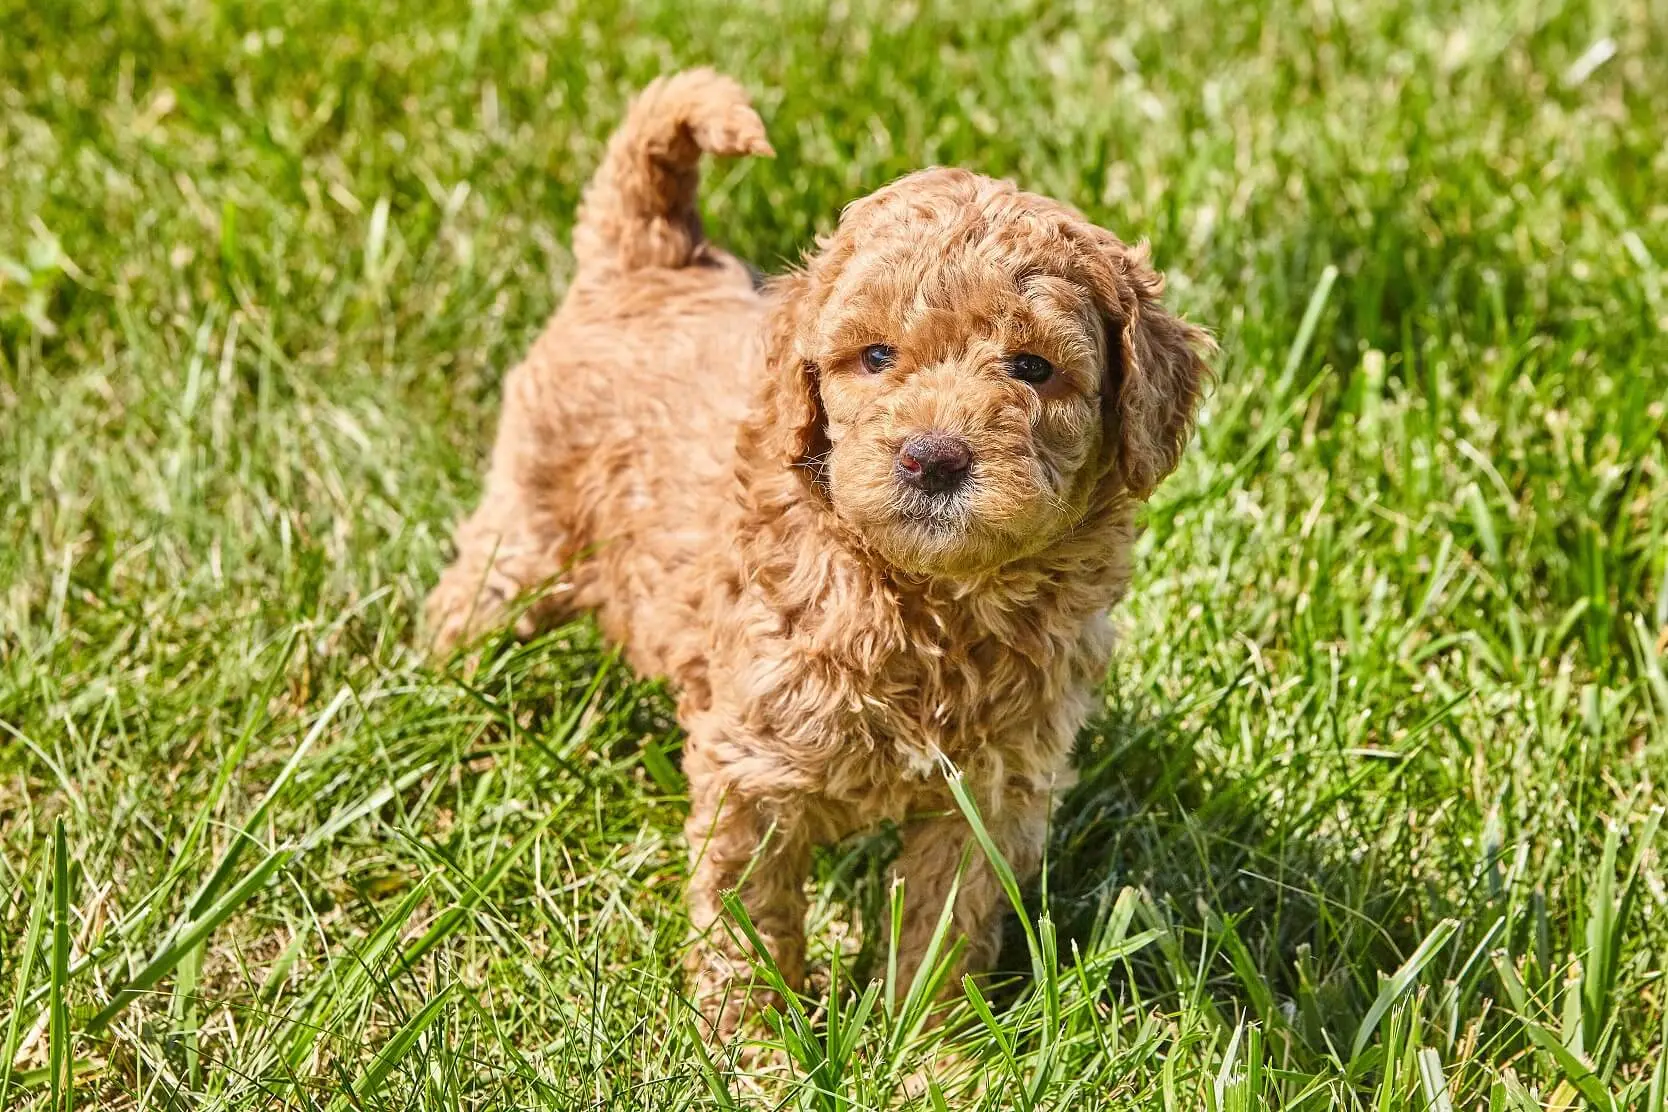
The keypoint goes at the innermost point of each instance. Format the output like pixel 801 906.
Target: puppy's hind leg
pixel 505 549
pixel 496 563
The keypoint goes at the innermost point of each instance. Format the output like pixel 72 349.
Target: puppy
pixel 869 520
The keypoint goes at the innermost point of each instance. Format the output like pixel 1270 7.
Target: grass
pixel 1369 816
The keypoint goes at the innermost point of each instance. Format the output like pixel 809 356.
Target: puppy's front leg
pixel 737 843
pixel 927 865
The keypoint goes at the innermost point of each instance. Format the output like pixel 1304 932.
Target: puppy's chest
pixel 995 704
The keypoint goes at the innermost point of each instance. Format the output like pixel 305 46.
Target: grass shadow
pixel 1259 911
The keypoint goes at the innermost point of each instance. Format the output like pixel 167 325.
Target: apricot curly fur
pixel 710 469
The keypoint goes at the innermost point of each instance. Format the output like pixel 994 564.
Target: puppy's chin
pixel 939 538
pixel 931 549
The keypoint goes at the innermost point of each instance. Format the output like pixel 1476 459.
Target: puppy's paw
pixel 725 993
pixel 457 612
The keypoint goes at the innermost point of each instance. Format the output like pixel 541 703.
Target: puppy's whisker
pixel 816 462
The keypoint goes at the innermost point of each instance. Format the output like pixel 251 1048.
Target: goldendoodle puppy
pixel 868 520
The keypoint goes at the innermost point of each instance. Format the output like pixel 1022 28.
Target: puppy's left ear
pixel 1157 366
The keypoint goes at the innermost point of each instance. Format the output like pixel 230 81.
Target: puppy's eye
pixel 878 358
pixel 1030 368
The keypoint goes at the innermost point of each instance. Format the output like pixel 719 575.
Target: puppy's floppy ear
pixel 788 428
pixel 1157 370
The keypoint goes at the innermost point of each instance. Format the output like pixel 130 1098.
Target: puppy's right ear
pixel 788 429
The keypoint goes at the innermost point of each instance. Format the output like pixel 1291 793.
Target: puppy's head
pixel 964 370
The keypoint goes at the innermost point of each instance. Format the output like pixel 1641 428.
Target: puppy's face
pixel 963 347
pixel 962 400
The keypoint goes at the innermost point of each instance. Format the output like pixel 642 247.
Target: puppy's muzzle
pixel 934 462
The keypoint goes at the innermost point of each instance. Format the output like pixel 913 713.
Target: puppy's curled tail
pixel 639 211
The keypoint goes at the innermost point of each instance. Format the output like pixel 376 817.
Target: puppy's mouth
pixel 944 514
pixel 939 533
pixel 962 531
pixel 956 525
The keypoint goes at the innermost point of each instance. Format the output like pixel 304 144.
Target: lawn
pixel 1370 815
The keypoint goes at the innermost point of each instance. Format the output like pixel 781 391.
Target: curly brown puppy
pixel 868 519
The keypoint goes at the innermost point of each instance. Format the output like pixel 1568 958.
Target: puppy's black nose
pixel 934 462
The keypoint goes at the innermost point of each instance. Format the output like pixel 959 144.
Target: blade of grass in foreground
pixel 1318 298
pixel 1399 982
pixel 998 864
pixel 245 836
pixel 1238 1084
pixel 935 965
pixel 349 976
pixel 1039 935
pixel 371 1082
pixel 1656 1097
pixel 1002 1040
pixel 1577 1070
pixel 716 1086
pixel 798 1033
pixel 1609 912
pixel 26 965
pixel 58 1028
pixel 477 891
pixel 1433 1081
pixel 190 935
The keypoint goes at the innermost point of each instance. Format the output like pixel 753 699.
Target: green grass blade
pixel 1002 1041
pixel 371 1082
pixel 1306 330
pixel 1432 1082
pixel 246 835
pixel 1398 983
pixel 1598 971
pixel 1656 1096
pixel 60 1052
pixel 1574 1068
pixel 190 936
pixel 998 863
pixel 717 1087
pixel 476 892
pixel 937 962
pixel 25 967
